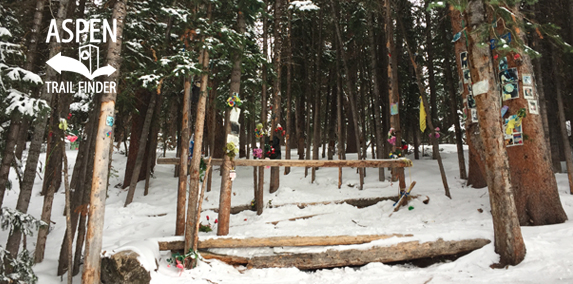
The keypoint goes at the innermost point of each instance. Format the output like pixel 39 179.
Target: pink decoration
pixel 392 140
pixel 72 138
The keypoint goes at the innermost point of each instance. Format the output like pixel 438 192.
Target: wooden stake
pixel 199 206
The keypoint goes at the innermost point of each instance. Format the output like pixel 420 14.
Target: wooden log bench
pixel 225 203
pixel 339 257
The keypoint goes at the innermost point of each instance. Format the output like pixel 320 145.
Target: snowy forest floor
pixel 465 216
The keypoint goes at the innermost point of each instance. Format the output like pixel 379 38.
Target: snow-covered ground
pixel 549 248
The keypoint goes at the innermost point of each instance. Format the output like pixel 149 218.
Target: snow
pixel 137 226
pixel 4 32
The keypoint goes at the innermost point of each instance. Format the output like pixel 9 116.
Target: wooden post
pixel 226 185
pixel 183 158
pixel 199 206
pixel 92 263
pixel 196 160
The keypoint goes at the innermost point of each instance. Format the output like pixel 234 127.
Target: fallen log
pixel 295 241
pixel 399 163
pixel 354 257
pixel 357 202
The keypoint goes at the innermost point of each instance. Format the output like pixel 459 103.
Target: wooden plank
pixel 357 202
pixel 295 241
pixel 354 257
pixel 397 163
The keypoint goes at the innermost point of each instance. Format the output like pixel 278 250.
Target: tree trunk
pixel 142 147
pixel 276 117
pixel 317 100
pixel 289 63
pixel 350 88
pixel 508 240
pixel 393 92
pixel 476 166
pixel 196 159
pixel 226 181
pixel 431 79
pixel 376 96
pixel 16 122
pixel 80 185
pixel 52 179
pixel 450 88
pixel 562 121
pixel 91 272
pixel 143 99
pixel 536 194
pixel 13 244
pixel 153 141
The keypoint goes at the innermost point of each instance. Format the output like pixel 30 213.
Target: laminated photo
pixel 528 93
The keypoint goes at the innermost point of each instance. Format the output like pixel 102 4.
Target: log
pixel 228 259
pixel 357 202
pixel 353 257
pixel 295 241
pixel 398 163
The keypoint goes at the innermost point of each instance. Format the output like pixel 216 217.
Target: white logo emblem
pixel 63 63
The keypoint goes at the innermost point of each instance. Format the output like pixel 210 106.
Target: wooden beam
pixel 398 163
pixel 295 241
pixel 357 202
pixel 354 257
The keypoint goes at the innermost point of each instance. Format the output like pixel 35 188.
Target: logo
pixel 84 65
pixel 93 31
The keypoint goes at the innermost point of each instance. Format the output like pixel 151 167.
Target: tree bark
pixel 16 119
pixel 13 244
pixel 350 88
pixel 143 99
pixel 141 150
pixel 196 159
pixel 376 95
pixel 476 166
pixel 508 240
pixel 562 121
pixel 451 89
pixel 393 92
pixel 317 100
pixel 536 194
pixel 92 263
pixel 226 182
pixel 431 78
pixel 276 116
pixel 289 64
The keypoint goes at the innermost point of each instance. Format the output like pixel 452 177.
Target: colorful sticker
pixel 109 121
pixel 394 109
pixel 512 131
pixel 471 102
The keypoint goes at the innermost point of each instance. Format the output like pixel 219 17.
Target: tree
pixel 508 240
pixel 91 272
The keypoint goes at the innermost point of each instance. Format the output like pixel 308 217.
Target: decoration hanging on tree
pixel 231 150
pixel 280 131
pixel 392 136
pixel 259 131
pixel 234 101
pixel 422 116
pixel 437 133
